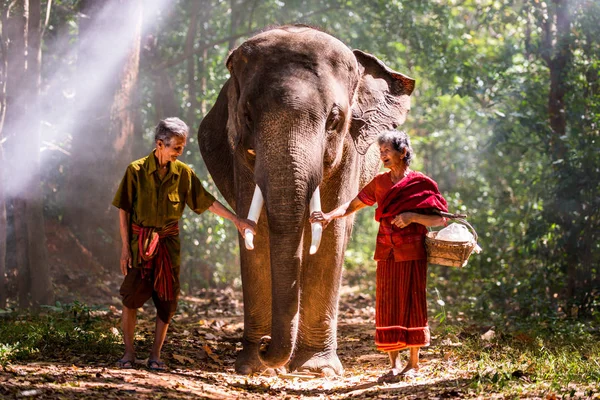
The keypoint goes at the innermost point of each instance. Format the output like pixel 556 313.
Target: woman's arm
pixel 342 211
pixel 407 218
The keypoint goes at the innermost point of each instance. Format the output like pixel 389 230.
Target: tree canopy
pixel 505 118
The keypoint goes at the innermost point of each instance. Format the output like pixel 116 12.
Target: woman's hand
pixel 320 216
pixel 242 224
pixel 403 220
pixel 125 259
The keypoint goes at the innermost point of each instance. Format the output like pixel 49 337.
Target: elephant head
pixel 299 112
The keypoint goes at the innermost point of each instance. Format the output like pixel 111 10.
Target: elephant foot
pixel 325 363
pixel 247 362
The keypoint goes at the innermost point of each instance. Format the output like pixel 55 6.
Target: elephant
pixel 298 115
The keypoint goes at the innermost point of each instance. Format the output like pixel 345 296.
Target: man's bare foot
pixel 127 361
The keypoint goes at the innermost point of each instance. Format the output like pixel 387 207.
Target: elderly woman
pixel 151 199
pixel 407 202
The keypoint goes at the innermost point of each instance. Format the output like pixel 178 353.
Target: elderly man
pixel 151 199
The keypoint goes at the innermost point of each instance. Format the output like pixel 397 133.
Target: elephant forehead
pixel 294 44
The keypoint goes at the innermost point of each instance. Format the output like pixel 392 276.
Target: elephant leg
pixel 256 278
pixel 256 284
pixel 321 276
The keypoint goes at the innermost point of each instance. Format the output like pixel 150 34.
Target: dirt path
pixel 200 351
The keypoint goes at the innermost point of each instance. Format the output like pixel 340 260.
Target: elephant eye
pixel 248 120
pixel 247 116
pixel 334 119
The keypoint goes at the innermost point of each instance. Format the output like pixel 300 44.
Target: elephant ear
pixel 215 146
pixel 382 100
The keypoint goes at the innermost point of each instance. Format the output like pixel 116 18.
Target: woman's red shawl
pixel 415 192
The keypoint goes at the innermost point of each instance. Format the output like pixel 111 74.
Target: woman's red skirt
pixel 401 305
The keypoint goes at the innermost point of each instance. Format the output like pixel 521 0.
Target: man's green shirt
pixel 153 202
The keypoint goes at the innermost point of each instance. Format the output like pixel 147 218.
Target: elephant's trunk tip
pixel 272 356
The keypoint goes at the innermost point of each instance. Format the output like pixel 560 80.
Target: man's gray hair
pixel 399 141
pixel 169 128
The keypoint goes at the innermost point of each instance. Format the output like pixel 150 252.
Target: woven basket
pixel 449 254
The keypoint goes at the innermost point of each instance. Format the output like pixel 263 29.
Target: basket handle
pixel 450 215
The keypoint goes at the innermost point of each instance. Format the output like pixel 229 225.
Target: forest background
pixel 505 117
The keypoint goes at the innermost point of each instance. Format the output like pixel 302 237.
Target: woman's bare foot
pixel 410 369
pixel 392 376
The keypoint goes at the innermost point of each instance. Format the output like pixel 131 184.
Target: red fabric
pixel 401 305
pixel 154 257
pixel 415 192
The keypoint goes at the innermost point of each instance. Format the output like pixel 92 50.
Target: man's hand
pixel 125 259
pixel 320 216
pixel 403 220
pixel 242 224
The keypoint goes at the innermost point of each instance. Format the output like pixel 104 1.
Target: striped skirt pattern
pixel 401 305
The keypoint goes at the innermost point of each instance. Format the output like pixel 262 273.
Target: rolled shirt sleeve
pixel 198 199
pixel 126 193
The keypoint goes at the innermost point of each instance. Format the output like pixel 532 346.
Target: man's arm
pixel 125 247
pixel 240 223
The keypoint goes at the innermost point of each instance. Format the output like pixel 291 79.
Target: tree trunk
pixel 237 14
pixel 21 131
pixel 203 82
pixel 557 53
pixel 21 256
pixel 3 295
pixel 204 39
pixel 39 272
pixel 109 40
pixel 163 90
pixel 15 29
pixel 191 63
pixel 3 220
pixel 557 112
pixel 558 80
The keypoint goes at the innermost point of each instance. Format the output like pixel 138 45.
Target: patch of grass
pixel 59 332
pixel 561 358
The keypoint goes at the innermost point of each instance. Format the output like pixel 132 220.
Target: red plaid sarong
pixel 154 257
pixel 401 305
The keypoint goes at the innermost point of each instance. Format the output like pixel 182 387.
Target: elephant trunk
pixel 287 180
pixel 285 277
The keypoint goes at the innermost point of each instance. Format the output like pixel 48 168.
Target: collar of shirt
pixel 151 164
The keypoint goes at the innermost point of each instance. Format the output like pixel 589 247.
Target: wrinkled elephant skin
pixel 299 112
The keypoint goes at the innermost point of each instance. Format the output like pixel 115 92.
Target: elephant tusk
pixel 255 208
pixel 316 227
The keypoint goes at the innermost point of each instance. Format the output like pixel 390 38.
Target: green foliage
pixel 556 360
pixel 480 126
pixel 65 330
pixel 518 359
